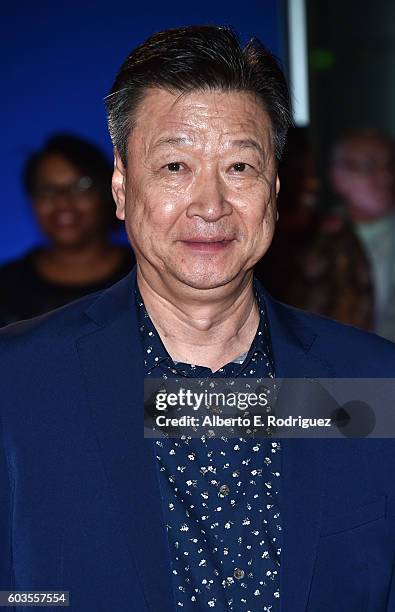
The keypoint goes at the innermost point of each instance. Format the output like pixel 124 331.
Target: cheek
pixel 151 212
pixel 266 223
pixel 92 208
pixel 261 229
pixel 271 219
pixel 257 211
pixel 41 215
pixel 347 183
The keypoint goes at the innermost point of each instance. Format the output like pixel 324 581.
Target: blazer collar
pixel 295 343
pixel 293 339
pixel 112 363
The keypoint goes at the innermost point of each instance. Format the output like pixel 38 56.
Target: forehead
pixel 365 147
pixel 200 115
pixel 55 167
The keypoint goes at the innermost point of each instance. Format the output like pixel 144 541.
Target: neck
pixel 208 327
pixel 78 254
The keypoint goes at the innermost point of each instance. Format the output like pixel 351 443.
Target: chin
pixel 66 243
pixel 205 278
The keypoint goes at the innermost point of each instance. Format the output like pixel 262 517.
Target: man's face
pixel 198 194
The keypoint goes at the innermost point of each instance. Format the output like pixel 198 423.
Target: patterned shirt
pixel 220 495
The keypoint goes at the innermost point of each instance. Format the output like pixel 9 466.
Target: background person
pixel 316 261
pixel 281 270
pixel 362 174
pixel 69 183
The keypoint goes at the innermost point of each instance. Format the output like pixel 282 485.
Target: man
pixel 316 261
pixel 132 524
pixel 362 174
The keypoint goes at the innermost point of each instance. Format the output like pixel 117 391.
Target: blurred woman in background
pixel 69 184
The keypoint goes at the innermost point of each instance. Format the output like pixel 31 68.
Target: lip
pixel 208 245
pixel 64 220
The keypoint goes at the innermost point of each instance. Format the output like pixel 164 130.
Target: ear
pixel 118 186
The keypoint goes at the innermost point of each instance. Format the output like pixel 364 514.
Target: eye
pixel 239 166
pixel 173 166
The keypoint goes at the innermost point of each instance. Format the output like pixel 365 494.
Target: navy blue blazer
pixel 80 508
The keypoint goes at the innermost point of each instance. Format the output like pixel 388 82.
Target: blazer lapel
pixel 303 467
pixel 113 369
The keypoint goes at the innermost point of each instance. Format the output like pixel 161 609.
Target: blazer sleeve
pixel 6 571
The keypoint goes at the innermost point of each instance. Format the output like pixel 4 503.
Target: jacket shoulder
pixel 69 322
pixel 352 351
pixel 66 322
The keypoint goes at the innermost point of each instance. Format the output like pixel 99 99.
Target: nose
pixel 62 198
pixel 208 200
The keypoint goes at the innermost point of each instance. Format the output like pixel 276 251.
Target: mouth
pixel 207 245
pixel 64 220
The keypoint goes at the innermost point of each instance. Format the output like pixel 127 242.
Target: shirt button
pixel 224 490
pixel 238 573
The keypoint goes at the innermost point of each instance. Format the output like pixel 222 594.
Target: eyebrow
pixel 241 143
pixel 248 143
pixel 171 140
